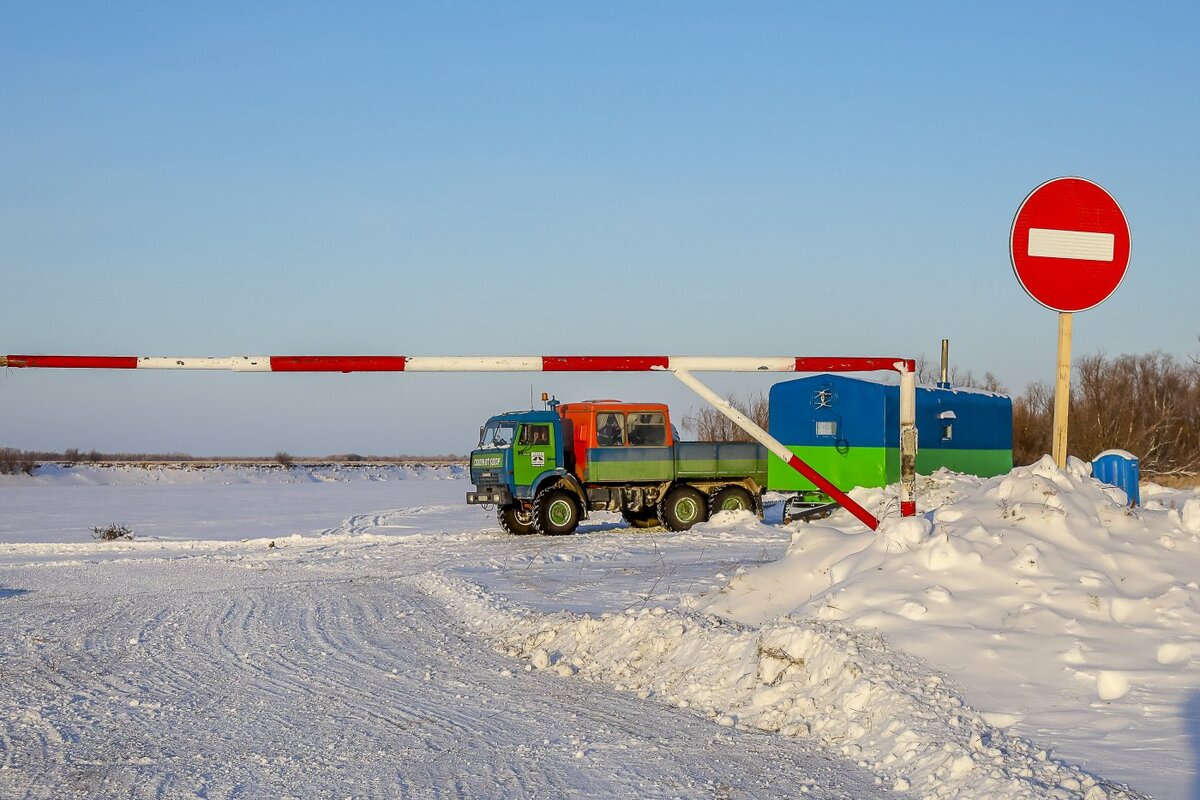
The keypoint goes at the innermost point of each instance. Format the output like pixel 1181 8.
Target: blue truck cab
pixel 518 451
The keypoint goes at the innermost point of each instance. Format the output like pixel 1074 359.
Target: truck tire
pixel 555 512
pixel 731 498
pixel 681 508
pixel 516 520
pixel 642 518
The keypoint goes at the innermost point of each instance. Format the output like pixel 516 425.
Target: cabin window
pixel 610 429
pixel 827 427
pixel 947 422
pixel 647 429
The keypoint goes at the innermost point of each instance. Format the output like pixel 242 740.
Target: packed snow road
pixel 316 671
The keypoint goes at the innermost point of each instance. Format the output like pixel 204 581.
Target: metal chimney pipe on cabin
pixel 944 383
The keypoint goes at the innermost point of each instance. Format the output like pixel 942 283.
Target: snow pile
pixel 1065 613
pixel 846 688
pixel 185 474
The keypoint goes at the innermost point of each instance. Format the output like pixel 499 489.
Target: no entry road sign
pixel 1069 244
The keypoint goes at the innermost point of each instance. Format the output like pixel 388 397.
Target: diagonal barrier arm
pixel 775 446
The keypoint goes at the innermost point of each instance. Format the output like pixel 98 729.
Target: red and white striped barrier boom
pixel 468 363
pixel 681 366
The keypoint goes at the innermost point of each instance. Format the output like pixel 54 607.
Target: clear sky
pixel 556 178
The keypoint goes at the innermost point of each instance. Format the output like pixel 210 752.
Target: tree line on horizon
pixel 14 460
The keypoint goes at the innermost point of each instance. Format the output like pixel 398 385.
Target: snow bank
pixel 846 688
pixel 1064 612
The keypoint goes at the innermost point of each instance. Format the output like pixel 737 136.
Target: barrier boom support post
pixel 908 442
pixel 681 366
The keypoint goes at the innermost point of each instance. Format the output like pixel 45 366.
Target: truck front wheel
pixel 682 508
pixel 516 520
pixel 555 512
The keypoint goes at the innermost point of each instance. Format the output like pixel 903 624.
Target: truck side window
pixel 610 429
pixel 648 429
pixel 535 434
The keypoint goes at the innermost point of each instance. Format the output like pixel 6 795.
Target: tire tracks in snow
pixel 217 677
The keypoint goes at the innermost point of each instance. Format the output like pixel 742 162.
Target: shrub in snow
pixel 111 533
pixel 13 461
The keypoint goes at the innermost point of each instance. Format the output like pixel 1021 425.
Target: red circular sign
pixel 1069 244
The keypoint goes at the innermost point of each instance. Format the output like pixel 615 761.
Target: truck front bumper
pixel 490 496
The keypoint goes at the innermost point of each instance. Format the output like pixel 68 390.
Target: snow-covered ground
pixel 1027 637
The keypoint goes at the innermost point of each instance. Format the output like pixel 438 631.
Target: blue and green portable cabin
pixel 848 429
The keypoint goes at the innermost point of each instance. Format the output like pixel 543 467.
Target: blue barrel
pixel 1119 468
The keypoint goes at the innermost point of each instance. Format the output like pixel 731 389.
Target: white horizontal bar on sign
pixel 473 364
pixel 237 363
pixel 733 364
pixel 1081 245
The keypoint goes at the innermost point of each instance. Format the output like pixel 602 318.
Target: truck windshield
pixel 498 434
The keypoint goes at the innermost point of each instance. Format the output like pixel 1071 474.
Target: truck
pixel 544 471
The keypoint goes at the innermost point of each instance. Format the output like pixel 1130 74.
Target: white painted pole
pixel 908 443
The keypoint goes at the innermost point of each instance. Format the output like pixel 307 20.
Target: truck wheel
pixel 555 512
pixel 682 508
pixel 642 518
pixel 515 520
pixel 731 498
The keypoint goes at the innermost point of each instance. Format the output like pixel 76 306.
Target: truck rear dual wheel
pixel 516 520
pixel 555 512
pixel 682 507
pixel 731 498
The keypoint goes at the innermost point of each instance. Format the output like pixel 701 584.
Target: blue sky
pixel 460 179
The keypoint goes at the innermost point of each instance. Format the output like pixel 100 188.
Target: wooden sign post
pixel 1062 389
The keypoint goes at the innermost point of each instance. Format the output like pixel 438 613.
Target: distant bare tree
pixel 988 382
pixel 711 425
pixel 10 460
pixel 284 458
pixel 930 371
pixel 1147 404
pixel 1033 415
